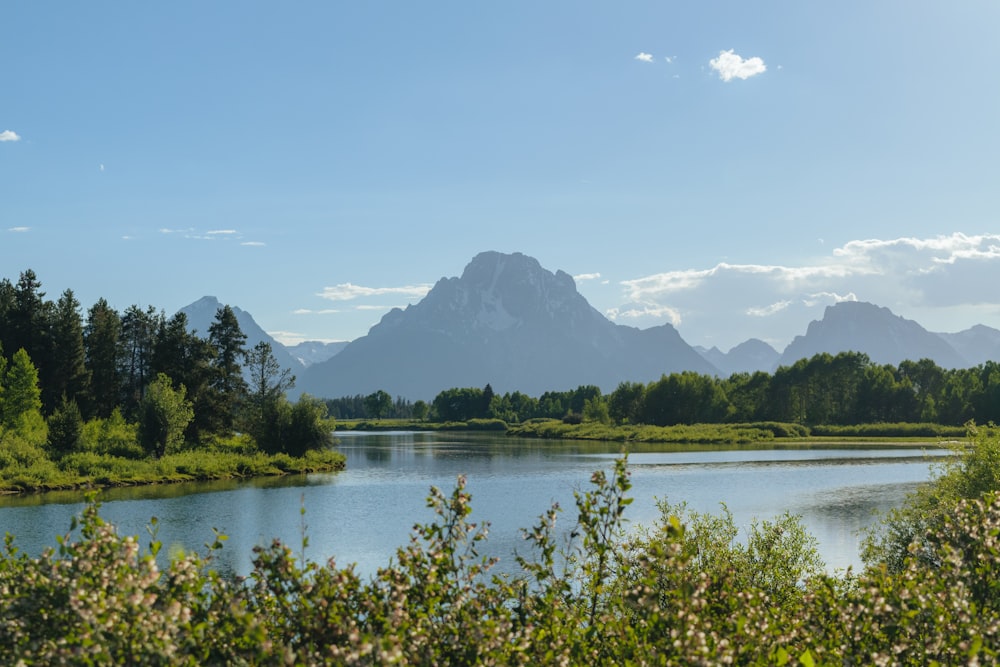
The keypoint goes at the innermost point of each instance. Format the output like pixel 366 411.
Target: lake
pixel 362 514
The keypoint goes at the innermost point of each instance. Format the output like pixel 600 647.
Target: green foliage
pixel 596 410
pixel 65 428
pixel 971 474
pixel 22 398
pixel 112 436
pixel 709 434
pixel 378 403
pixel 776 558
pixel 420 410
pixel 164 414
pixel 883 430
pixel 297 428
pixel 687 591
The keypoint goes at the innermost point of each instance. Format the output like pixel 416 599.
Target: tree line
pixel 847 388
pixel 61 368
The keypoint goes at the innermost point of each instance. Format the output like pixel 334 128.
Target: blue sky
pixel 731 168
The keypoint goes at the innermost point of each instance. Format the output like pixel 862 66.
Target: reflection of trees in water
pixel 857 501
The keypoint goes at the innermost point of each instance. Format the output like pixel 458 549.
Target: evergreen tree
pixel 31 324
pixel 69 376
pixel 22 397
pixel 6 313
pixel 267 386
pixel 65 428
pixel 227 340
pixel 172 348
pixel 138 333
pixel 100 341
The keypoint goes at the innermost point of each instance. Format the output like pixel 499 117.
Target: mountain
pixel 201 315
pixel 313 351
pixel 856 326
pixel 747 357
pixel 507 322
pixel 976 345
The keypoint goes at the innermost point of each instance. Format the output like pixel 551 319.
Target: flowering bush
pixel 684 592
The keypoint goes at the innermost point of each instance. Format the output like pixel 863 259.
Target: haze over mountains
pixel 509 322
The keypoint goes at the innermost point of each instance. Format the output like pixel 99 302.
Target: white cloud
pixel 255 244
pixel 586 276
pixel 769 310
pixel 645 57
pixel 348 291
pixel 823 298
pixel 19 230
pixel 9 135
pixel 946 283
pixel 308 311
pixel 210 235
pixel 731 66
pixel 369 306
pixel 642 311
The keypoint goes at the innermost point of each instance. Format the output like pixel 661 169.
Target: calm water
pixel 362 514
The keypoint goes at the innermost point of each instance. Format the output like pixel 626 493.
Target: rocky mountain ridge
pixel 511 323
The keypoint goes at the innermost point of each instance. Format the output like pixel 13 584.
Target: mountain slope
pixel 863 327
pixel 977 344
pixel 201 315
pixel 748 357
pixel 313 351
pixel 507 322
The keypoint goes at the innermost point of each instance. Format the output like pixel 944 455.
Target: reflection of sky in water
pixel 364 513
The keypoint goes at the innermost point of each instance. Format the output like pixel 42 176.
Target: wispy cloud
pixel 768 310
pixel 19 230
pixel 826 297
pixel 944 282
pixel 731 66
pixel 309 311
pixel 210 235
pixel 586 276
pixel 645 310
pixel 644 57
pixel 255 244
pixel 348 291
pixel 9 135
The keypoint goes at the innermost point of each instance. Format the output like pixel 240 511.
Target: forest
pixel 825 390
pixel 135 397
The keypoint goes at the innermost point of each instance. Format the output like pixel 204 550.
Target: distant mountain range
pixel 507 322
pixel 519 327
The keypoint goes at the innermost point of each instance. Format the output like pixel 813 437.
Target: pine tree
pixel 100 339
pixel 69 378
pixel 228 340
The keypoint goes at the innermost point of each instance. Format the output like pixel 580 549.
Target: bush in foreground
pixel 684 592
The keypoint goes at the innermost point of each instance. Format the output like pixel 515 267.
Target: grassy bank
pixel 89 470
pixel 736 434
